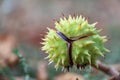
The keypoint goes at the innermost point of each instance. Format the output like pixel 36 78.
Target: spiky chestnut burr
pixel 74 42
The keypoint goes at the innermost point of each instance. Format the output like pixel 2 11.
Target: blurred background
pixel 23 24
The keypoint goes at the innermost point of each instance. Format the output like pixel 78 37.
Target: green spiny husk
pixel 84 51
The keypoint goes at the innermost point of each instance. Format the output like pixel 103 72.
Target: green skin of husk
pixel 84 51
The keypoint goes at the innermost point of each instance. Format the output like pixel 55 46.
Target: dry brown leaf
pixel 42 71
pixel 69 76
pixel 7 44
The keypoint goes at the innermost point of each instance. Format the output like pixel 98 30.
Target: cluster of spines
pixel 85 51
